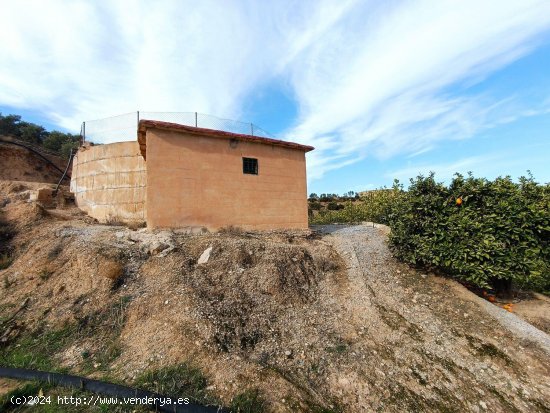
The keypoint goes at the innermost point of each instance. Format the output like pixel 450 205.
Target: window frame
pixel 249 165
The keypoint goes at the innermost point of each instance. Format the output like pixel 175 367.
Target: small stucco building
pixel 178 176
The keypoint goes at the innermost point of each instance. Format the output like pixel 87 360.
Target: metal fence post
pixel 84 131
pixel 196 121
pixel 252 129
pixel 138 119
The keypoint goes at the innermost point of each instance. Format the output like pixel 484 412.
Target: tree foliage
pixel 481 231
pixel 63 143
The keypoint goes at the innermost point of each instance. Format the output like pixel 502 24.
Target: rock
pixel 205 256
pixel 156 247
pixel 43 194
pixel 166 251
pixel 288 353
pixel 483 405
pixel 423 275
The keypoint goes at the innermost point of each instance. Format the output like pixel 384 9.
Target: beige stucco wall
pixel 195 181
pixel 109 182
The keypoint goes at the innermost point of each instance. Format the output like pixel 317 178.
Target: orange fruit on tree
pixel 459 201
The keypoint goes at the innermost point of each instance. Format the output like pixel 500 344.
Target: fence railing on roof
pixel 124 127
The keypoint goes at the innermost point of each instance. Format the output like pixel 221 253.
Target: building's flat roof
pixel 176 127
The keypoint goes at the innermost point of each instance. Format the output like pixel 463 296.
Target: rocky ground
pixel 315 321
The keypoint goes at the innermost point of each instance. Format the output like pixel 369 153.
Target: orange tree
pixel 488 233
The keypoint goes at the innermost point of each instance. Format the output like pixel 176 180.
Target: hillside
pixel 21 164
pixel 324 321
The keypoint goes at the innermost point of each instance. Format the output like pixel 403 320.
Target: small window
pixel 250 166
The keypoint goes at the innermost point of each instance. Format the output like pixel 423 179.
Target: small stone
pixel 157 247
pixel 205 256
pixel 166 302
pixel 483 405
pixel 288 353
pixel 423 275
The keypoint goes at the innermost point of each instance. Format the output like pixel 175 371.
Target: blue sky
pixel 383 90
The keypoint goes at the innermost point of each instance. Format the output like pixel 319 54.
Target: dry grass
pixel 111 269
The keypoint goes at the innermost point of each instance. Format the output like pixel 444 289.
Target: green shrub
pixel 334 206
pixel 315 205
pixel 375 207
pixel 484 232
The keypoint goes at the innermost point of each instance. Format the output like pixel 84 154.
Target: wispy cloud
pixel 369 78
pixel 490 165
pixel 379 82
pixel 77 60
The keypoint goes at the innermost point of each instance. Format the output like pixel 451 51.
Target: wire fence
pixel 124 127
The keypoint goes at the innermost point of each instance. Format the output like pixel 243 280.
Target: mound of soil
pixel 315 322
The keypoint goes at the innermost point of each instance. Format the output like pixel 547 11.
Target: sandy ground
pixel 315 320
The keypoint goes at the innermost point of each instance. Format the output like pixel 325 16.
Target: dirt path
pixel 436 346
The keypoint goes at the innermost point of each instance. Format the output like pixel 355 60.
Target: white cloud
pixel 379 81
pixel 85 60
pixel 369 77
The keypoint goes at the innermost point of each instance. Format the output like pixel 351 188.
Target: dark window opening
pixel 250 166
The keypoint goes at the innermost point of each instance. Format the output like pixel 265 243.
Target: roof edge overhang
pixel 176 127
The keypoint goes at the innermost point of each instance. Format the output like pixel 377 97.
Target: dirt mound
pixel 248 283
pixel 20 164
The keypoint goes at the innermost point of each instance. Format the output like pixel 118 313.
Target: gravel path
pixel 369 254
pixel 443 347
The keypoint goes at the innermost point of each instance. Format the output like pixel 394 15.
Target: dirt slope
pixel 19 164
pixel 316 322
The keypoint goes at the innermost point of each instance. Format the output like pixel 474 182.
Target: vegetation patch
pixel 37 349
pixel 55 141
pixel 486 233
pixel 5 261
pixel 7 233
pixel 250 401
pixel 50 400
pixel 182 380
